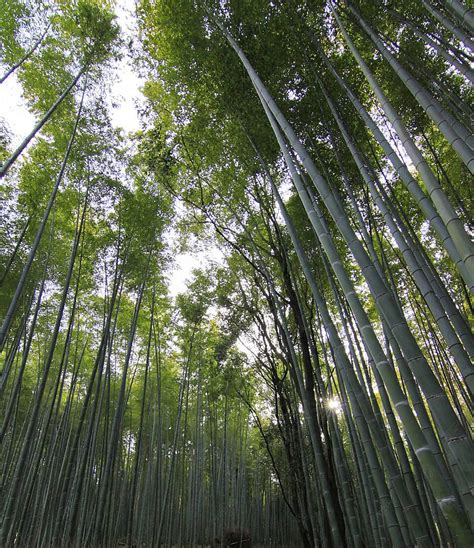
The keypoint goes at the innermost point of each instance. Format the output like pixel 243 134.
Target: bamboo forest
pixel 236 273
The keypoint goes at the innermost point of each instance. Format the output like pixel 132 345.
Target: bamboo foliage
pixel 313 385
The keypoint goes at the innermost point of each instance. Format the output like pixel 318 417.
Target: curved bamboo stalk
pixel 424 202
pixel 446 211
pixel 454 345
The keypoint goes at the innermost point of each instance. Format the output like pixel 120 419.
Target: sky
pixel 14 111
pixel 126 94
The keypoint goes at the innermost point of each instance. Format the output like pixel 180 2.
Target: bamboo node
pixel 456 438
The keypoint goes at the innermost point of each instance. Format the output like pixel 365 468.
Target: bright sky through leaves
pixel 236 275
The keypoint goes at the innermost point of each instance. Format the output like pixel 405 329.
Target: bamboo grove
pixel 313 385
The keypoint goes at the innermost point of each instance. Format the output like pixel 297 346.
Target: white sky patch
pixel 286 187
pixel 181 270
pixel 247 344
pixel 126 88
pixel 184 264
pixel 125 94
pixel 13 110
